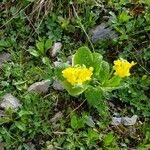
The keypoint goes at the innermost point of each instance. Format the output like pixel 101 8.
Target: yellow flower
pixel 122 67
pixel 77 75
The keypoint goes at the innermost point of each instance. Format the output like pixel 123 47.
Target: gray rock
pixel 57 63
pixel 70 60
pixel 116 121
pixel 50 147
pixel 102 32
pixel 129 121
pixel 2 113
pixel 56 117
pixel 56 126
pixel 31 146
pixel 55 49
pixel 41 87
pixel 9 100
pixel 58 86
pixel 1 146
pixel 4 57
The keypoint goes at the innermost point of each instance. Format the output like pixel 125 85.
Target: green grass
pixel 25 23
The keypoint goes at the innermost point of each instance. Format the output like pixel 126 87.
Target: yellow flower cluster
pixel 122 67
pixel 77 75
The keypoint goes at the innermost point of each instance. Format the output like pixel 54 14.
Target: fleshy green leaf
pixel 109 138
pixel 74 90
pixel 124 17
pixel 104 72
pixel 94 96
pixel 76 122
pixel 33 52
pixel 40 47
pixel 46 60
pixel 48 44
pixel 83 56
pixel 24 113
pixel 4 43
pixel 97 61
pixel 93 135
pixel 113 82
pixel 89 121
pixel 20 125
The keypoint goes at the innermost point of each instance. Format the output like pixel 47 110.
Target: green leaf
pixel 124 17
pixel 40 47
pixel 4 43
pixel 74 122
pixel 147 28
pixel 30 0
pixel 58 71
pixel 147 2
pixel 147 145
pixel 77 123
pixel 112 148
pixel 74 90
pixel 4 120
pixel 83 56
pixel 20 125
pixel 104 72
pixel 24 113
pixel 93 135
pixel 94 96
pixel 109 138
pixel 46 60
pixel 33 52
pixel 97 61
pixel 89 121
pixel 48 44
pixel 113 82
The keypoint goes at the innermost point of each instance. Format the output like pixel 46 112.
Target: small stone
pixel 70 60
pixel 56 117
pixel 31 146
pixel 56 126
pixel 41 87
pixel 50 147
pixel 9 100
pixel 1 146
pixel 132 130
pixel 2 113
pixel 129 121
pixel 55 49
pixel 102 32
pixel 57 63
pixel 116 121
pixel 4 57
pixel 58 86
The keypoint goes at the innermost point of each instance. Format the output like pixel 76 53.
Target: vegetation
pixel 111 74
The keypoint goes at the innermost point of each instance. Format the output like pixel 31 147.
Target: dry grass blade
pixel 16 14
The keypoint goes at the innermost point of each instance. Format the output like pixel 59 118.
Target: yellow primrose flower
pixel 122 67
pixel 77 75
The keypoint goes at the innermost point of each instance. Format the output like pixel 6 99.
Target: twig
pixel 76 108
pixel 82 27
pixel 46 95
pixel 139 63
pixel 59 133
pixel 20 10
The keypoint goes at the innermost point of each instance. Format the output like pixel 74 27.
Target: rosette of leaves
pixel 41 48
pixel 102 80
